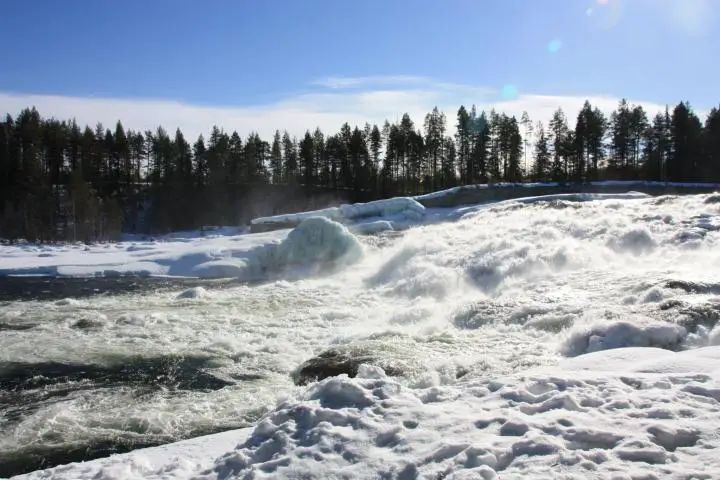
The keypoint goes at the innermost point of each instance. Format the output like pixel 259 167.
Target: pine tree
pixel 290 164
pixel 514 151
pixel 493 158
pixel 582 139
pixel 307 159
pixel 237 170
pixel 434 141
pixel 653 160
pixel 375 145
pixel 558 137
pixel 321 167
pixel 711 146
pixel 449 161
pixel 183 186
pixel 621 139
pixel 345 164
pixel 527 135
pixel 638 125
pixel 74 145
pixel 686 138
pixel 200 162
pixel 276 158
pixel 480 136
pixel 542 155
pixel 137 153
pixel 358 154
pixel 121 157
pixel 463 139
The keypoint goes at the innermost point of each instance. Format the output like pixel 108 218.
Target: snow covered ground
pixel 232 252
pixel 629 184
pixel 569 336
pixel 625 413
pixel 225 252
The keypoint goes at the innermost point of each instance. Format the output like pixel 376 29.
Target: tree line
pixel 61 181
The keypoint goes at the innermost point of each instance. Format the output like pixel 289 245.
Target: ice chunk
pixel 401 206
pixel 612 335
pixel 318 240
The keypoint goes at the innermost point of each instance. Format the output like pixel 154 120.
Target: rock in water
pixel 334 362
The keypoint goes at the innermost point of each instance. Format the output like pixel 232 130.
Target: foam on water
pixel 498 290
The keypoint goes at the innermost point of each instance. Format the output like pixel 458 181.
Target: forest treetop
pixel 60 180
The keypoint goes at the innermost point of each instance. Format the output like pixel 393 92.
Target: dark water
pixel 27 387
pixel 57 288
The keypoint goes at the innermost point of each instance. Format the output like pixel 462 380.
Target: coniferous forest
pixel 60 181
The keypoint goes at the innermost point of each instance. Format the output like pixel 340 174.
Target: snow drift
pixel 315 242
pixel 656 419
pixel 394 210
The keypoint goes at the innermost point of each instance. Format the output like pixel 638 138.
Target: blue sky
pixel 258 55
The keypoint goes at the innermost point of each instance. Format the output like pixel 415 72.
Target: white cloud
pixel 348 82
pixel 328 108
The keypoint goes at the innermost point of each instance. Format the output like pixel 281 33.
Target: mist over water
pixel 499 290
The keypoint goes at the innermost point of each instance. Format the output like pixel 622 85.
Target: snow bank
pixel 318 243
pixel 317 240
pixel 247 257
pixel 654 421
pixel 554 199
pixel 611 335
pixel 535 185
pixel 172 461
pixel 399 209
pixel 404 207
pixel 658 418
pixel 332 213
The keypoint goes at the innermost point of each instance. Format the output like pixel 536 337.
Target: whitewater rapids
pixel 453 305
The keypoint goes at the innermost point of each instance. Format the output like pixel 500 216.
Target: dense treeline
pixel 61 181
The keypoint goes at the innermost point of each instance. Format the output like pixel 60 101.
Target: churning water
pixel 497 290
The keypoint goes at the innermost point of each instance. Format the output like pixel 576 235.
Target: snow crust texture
pixel 580 419
pixel 655 420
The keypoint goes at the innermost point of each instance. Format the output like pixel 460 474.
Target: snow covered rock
pixel 611 335
pixel 399 209
pixel 340 361
pixel 318 240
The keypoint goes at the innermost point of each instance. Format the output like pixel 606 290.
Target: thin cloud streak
pixel 349 82
pixel 326 109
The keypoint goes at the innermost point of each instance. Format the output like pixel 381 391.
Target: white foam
pixel 645 412
pixel 472 313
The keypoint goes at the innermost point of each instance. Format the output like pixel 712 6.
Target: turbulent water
pixel 497 290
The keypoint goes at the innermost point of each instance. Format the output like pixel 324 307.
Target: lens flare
pixel 606 14
pixel 554 46
pixel 509 92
